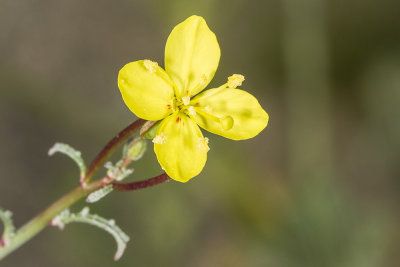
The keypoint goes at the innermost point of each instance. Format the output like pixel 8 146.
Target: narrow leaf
pixel 75 155
pixel 99 194
pixel 9 229
pixel 84 216
pixel 117 172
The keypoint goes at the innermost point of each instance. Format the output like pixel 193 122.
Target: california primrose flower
pixel 175 97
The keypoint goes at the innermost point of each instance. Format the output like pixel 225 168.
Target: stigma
pixel 150 65
pixel 160 139
pixel 235 80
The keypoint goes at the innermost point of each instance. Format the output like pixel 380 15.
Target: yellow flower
pixel 173 95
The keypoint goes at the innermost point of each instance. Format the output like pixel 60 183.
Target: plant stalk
pixel 141 184
pixel 120 138
pixel 38 223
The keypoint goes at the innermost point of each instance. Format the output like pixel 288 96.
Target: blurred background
pixel 318 187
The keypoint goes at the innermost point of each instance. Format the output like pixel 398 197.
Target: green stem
pixel 37 224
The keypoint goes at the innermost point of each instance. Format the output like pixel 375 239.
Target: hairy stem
pixel 34 226
pixel 38 223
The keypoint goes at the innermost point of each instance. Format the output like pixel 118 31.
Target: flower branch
pixel 110 147
pixel 141 184
pixel 172 107
pixel 38 223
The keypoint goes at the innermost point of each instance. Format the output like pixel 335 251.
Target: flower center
pixel 183 105
pixel 186 100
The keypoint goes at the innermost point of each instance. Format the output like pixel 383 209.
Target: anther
pixel 186 100
pixel 150 65
pixel 235 80
pixel 191 111
pixel 202 144
pixel 160 139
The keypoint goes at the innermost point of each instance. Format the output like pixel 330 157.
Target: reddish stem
pixel 141 184
pixel 110 147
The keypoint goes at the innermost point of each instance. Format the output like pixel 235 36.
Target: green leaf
pixel 99 194
pixel 84 216
pixel 9 229
pixel 75 155
pixel 117 172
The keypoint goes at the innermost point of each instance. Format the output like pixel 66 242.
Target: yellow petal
pixel 146 89
pixel 232 113
pixel 180 148
pixel 191 56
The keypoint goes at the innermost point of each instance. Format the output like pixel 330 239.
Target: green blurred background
pixel 318 187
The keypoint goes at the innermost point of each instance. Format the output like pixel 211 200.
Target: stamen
pixel 150 65
pixel 202 144
pixel 186 100
pixel 160 139
pixel 192 111
pixel 172 105
pixel 235 80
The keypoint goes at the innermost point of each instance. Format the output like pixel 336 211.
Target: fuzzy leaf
pixel 117 172
pixel 84 216
pixel 75 155
pixel 99 194
pixel 9 229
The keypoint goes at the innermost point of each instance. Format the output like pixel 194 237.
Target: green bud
pixel 136 148
pixel 149 129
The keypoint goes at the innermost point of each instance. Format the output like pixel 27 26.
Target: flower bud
pixel 149 129
pixel 136 148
